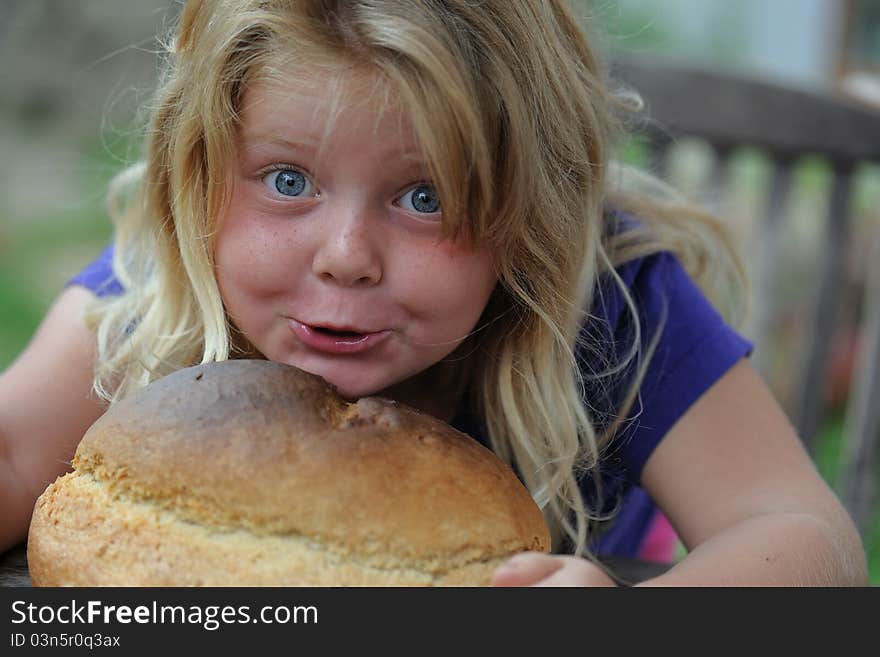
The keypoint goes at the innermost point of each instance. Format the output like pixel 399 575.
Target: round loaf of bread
pixel 252 473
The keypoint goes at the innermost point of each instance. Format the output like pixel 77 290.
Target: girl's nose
pixel 348 249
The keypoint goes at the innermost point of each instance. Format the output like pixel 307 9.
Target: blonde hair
pixel 515 119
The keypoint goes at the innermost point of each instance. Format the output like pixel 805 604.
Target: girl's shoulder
pixel 664 297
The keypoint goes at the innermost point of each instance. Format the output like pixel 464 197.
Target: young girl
pixel 415 200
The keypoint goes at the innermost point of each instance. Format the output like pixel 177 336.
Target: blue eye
pixel 421 198
pixel 289 182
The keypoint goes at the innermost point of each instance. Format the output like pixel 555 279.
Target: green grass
pixel 38 260
pixel 38 254
pixel 32 273
pixel 20 314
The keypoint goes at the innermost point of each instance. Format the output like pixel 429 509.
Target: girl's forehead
pixel 316 105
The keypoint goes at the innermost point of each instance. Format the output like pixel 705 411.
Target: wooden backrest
pixel 729 112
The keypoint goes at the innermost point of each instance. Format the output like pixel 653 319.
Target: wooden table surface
pixel 14 570
pixel 13 567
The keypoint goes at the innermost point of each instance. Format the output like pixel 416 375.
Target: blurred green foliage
pixel 648 28
pixel 38 253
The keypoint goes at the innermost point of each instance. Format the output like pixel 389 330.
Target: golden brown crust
pixel 138 545
pixel 225 458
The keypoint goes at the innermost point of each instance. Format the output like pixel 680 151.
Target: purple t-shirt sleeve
pixel 695 348
pixel 98 276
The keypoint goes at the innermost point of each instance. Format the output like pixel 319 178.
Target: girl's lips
pixel 335 344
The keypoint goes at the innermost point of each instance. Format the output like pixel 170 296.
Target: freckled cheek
pixel 449 285
pixel 238 260
pixel 253 257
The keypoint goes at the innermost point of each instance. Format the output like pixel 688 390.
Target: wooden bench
pixel 728 113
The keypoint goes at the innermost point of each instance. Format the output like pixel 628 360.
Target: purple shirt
pixel 695 348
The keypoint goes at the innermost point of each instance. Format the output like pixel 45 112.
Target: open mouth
pixel 336 342
pixel 337 334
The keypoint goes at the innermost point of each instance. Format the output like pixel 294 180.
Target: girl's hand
pixel 539 569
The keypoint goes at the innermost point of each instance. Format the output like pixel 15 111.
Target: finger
pixel 525 569
pixel 576 572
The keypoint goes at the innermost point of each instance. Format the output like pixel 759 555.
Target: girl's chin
pixel 350 391
pixel 350 394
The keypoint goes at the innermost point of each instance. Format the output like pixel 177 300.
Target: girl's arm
pixel 744 496
pixel 46 406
